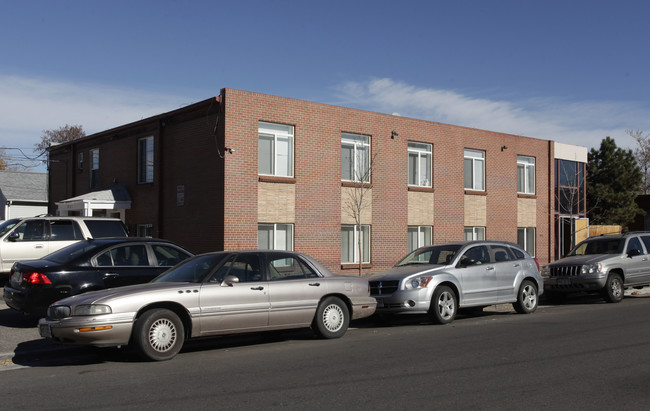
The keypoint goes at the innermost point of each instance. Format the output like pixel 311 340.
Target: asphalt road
pixel 582 355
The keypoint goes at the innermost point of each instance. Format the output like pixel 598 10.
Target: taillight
pixel 536 262
pixel 36 278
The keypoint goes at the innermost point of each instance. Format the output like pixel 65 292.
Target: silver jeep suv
pixel 607 264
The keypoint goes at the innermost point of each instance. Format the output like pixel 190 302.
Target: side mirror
pixel 229 280
pixel 14 236
pixel 466 262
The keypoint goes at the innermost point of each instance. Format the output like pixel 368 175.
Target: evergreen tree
pixel 614 180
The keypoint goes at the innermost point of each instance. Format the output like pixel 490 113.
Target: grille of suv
pixel 383 287
pixel 566 271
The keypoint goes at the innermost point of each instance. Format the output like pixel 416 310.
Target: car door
pixel 507 268
pixel 235 306
pixel 478 277
pixel 294 289
pixel 27 241
pixel 63 233
pixel 126 264
pixel 636 262
pixel 644 274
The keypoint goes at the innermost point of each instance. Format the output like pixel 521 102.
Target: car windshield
pixel 599 246
pixel 5 226
pixel 71 252
pixel 440 254
pixel 191 271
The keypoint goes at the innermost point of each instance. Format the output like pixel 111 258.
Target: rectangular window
pixel 418 236
pixel 145 160
pixel 355 157
pixel 80 161
pixel 474 170
pixel 275 237
pixel 420 155
pixel 94 168
pixel 526 175
pixel 350 244
pixel 275 149
pixel 474 233
pixel 144 230
pixel 526 239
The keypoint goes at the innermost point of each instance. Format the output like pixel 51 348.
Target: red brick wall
pixel 317 167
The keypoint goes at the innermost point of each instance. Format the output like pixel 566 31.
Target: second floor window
pixel 145 160
pixel 419 164
pixel 474 170
pixel 355 157
pixel 275 149
pixel 94 168
pixel 526 175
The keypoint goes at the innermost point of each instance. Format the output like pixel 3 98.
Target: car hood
pixel 583 259
pixel 141 292
pixel 404 271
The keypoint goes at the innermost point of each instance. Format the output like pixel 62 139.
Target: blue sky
pixel 570 71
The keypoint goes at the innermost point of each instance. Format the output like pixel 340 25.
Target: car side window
pixel 646 242
pixel 65 230
pixel 634 245
pixel 246 267
pixel 167 256
pixel 124 256
pixel 519 255
pixel 501 253
pixel 289 268
pixel 33 230
pixel 476 255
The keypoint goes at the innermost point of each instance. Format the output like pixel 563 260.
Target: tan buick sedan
pixel 213 294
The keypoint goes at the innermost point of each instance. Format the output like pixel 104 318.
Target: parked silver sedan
pixel 211 294
pixel 440 279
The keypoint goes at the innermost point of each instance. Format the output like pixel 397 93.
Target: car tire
pixel 444 305
pixel 332 318
pixel 614 290
pixel 158 334
pixel 527 298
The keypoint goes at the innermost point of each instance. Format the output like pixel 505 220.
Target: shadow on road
pixel 14 319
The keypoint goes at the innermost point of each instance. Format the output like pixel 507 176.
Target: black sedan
pixel 87 266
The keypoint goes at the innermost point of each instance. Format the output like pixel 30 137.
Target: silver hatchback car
pixel 440 279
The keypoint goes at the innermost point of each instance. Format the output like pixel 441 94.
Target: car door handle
pixel 39 246
pixel 260 288
pixel 491 268
pixel 314 284
pixel 111 275
pixel 516 265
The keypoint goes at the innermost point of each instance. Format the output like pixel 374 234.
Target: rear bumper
pixel 363 307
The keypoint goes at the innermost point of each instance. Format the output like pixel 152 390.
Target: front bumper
pixel 415 300
pixel 101 330
pixel 587 283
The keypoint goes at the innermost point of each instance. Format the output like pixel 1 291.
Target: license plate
pixel 563 281
pixel 45 331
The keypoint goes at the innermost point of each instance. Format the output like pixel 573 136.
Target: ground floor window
pixel 144 230
pixel 526 239
pixel 275 236
pixel 418 236
pixel 474 233
pixel 350 236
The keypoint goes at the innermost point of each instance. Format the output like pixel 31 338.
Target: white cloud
pixel 30 105
pixel 580 123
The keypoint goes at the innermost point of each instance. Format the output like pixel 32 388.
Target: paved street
pixel 585 354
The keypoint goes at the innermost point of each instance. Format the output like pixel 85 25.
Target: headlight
pixel 92 309
pixel 591 268
pixel 417 282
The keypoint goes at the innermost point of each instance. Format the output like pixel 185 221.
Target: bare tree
pixel 642 155
pixel 357 200
pixel 59 135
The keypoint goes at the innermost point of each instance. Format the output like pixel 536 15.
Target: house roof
pixel 22 186
pixel 115 193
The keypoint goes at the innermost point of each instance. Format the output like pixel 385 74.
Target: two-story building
pixel 246 170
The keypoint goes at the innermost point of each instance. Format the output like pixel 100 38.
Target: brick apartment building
pixel 246 170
